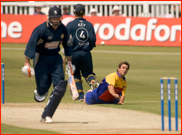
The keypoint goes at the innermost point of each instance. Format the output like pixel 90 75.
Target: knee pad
pixel 60 89
pixel 90 78
pixel 92 81
pixel 55 99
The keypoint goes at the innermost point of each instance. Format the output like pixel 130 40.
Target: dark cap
pixel 55 12
pixel 79 9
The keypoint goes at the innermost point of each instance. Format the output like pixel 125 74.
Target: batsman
pixel 82 34
pixel 43 47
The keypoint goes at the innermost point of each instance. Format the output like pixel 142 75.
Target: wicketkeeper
pixel 43 47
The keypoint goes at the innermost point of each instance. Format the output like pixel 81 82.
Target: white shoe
pixel 47 119
pixel 39 98
pixel 94 84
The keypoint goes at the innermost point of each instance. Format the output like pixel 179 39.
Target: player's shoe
pixel 47 119
pixel 39 98
pixel 81 97
pixel 94 84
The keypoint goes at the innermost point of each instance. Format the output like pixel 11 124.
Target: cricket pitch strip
pixel 85 119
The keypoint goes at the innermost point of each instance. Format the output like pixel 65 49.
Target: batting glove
pixel 62 50
pixel 70 67
pixel 27 70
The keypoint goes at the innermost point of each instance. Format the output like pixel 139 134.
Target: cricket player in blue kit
pixel 43 47
pixel 112 88
pixel 82 34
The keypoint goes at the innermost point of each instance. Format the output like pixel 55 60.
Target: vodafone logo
pixel 111 30
pixel 13 30
pixel 145 33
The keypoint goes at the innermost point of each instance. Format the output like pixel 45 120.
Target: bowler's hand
pixel 120 103
pixel 121 100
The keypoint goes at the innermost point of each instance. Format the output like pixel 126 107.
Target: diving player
pixel 112 88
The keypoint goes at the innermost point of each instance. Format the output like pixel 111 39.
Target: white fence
pixel 129 8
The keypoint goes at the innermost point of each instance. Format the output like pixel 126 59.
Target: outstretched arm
pixel 114 94
pixel 121 100
pixel 112 91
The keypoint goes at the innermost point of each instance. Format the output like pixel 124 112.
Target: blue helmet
pixel 79 9
pixel 54 12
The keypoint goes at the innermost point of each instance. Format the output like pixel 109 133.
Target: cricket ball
pixel 102 43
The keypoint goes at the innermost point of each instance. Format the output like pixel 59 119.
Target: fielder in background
pixel 43 47
pixel 82 35
pixel 112 88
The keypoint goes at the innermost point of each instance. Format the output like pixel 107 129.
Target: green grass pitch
pixel 143 78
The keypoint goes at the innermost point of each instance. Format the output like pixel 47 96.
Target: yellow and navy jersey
pixel 117 81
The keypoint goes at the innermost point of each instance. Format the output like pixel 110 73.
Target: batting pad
pixel 55 99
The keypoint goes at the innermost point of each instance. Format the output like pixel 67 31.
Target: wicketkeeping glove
pixel 27 70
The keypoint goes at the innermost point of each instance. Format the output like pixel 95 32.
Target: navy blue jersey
pixel 82 33
pixel 46 40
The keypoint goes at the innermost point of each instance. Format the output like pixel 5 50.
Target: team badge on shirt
pixel 62 36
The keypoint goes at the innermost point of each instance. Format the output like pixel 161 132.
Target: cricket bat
pixel 72 85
